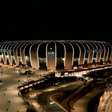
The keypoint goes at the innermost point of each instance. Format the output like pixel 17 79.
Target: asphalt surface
pixel 44 100
pixel 10 101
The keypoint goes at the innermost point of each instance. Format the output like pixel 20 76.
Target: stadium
pixel 55 54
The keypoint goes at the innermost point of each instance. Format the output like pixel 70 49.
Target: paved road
pixel 11 102
pixel 81 105
pixel 77 101
pixel 9 99
pixel 43 101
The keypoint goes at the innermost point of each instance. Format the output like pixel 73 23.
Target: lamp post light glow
pixel 1 56
pixel 7 56
pixel 63 59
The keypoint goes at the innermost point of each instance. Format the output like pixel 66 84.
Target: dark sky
pixel 36 20
pixel 52 31
pixel 99 36
pixel 52 27
pixel 48 31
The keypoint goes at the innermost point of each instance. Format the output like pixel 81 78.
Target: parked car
pixel 1 82
pixel 29 72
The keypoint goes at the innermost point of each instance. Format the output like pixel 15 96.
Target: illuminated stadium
pixel 55 54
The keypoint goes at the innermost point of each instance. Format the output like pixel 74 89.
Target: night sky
pixel 35 21
pixel 51 32
pixel 45 28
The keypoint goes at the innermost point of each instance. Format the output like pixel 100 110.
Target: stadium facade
pixel 55 54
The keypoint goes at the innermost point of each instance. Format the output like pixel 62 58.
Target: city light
pixel 63 59
pixel 55 75
pixel 7 56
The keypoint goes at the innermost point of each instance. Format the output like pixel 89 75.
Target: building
pixel 55 54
